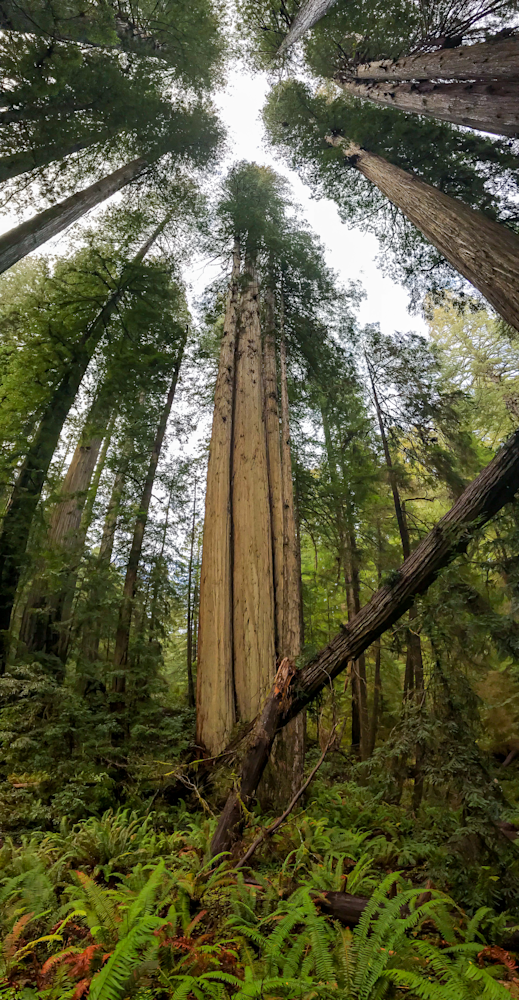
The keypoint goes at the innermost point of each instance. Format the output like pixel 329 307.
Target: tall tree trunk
pixel 62 537
pixel 294 690
pixel 493 60
pixel 309 13
pixel 30 235
pixel 215 685
pixel 483 251
pixel 122 637
pixel 26 494
pixel 413 678
pixel 254 652
pixel 190 684
pixel 290 745
pixel 491 107
pixel 21 163
pixel 347 554
pixel 272 430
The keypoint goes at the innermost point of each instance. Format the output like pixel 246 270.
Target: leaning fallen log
pixel 294 689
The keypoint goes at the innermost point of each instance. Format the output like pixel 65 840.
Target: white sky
pixel 350 252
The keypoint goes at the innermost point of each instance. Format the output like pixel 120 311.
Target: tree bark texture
pixel 190 609
pixel 483 251
pixel 26 494
pixel 293 690
pixel 122 637
pixel 272 430
pixel 253 592
pixel 215 683
pixel 488 106
pixel 493 60
pixel 309 13
pixel 30 235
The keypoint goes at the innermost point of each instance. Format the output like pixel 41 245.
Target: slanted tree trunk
pixel 190 622
pixel 489 106
pixel 41 156
pixel 293 690
pixel 483 251
pixel 253 593
pixel 42 611
pixel 122 637
pixel 30 235
pixel 26 494
pixel 493 60
pixel 309 13
pixel 215 684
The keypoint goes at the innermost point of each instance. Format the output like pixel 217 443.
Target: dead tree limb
pixel 294 689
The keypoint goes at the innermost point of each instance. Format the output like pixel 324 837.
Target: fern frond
pixel 109 983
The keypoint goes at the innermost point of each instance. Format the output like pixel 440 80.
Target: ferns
pixel 138 945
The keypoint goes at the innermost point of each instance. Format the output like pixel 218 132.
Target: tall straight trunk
pixel 190 685
pixel 290 745
pixel 413 678
pixel 493 60
pixel 309 13
pixel 254 652
pixel 348 557
pixel 293 690
pixel 483 251
pixel 272 430
pixel 122 637
pixel 20 163
pixel 215 685
pixel 26 494
pixel 30 235
pixel 377 680
pixel 489 106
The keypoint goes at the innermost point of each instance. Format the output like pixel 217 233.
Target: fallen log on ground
pixel 293 689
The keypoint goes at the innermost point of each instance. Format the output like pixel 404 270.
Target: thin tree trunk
pixel 30 235
pixel 215 685
pixel 122 637
pixel 491 107
pixel 483 251
pixel 26 494
pixel 21 163
pixel 294 690
pixel 413 677
pixel 190 684
pixel 348 548
pixel 272 430
pixel 254 652
pixel 493 60
pixel 309 13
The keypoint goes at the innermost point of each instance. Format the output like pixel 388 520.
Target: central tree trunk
pixel 293 690
pixel 216 713
pixel 483 251
pixel 30 235
pixel 253 594
pixel 491 107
